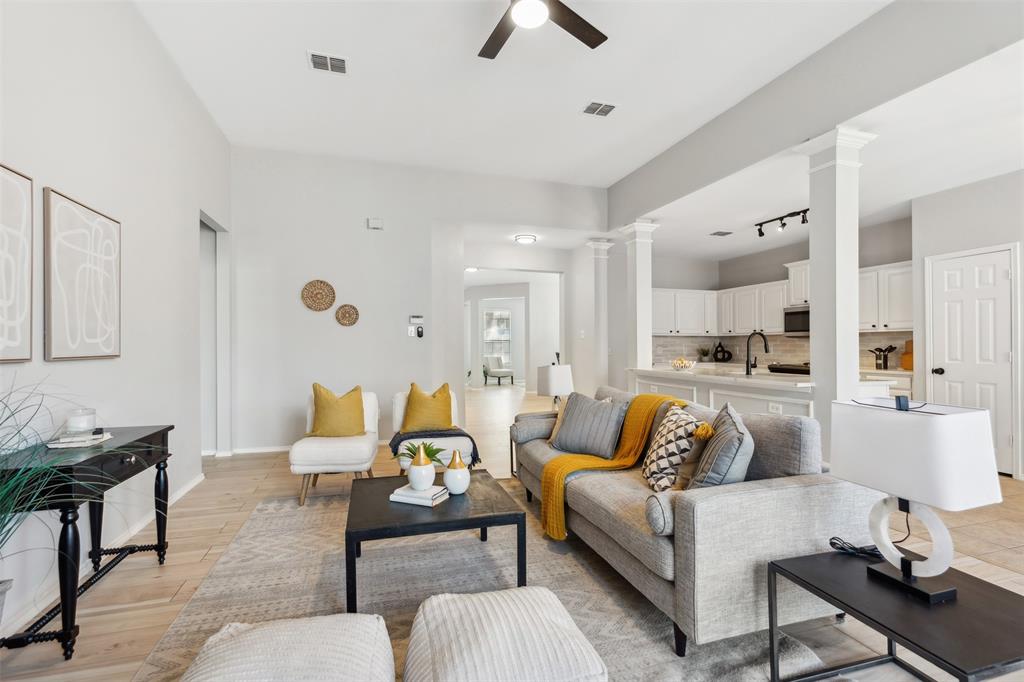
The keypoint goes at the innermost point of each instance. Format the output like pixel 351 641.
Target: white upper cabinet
pixel 772 301
pixel 726 302
pixel 745 310
pixel 690 313
pixel 896 297
pixel 663 313
pixel 799 290
pixel 869 300
pixel 711 313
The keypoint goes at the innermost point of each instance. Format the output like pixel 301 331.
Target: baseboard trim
pixel 261 451
pixel 208 453
pixel 28 613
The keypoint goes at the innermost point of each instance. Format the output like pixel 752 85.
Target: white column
pixel 600 248
pixel 639 324
pixel 834 254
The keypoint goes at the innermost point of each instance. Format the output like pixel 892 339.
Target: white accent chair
pixel 315 455
pixel 449 443
pixel 496 368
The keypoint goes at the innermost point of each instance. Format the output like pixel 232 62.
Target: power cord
pixel 867 551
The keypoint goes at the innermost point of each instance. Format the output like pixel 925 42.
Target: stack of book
pixel 79 440
pixel 431 497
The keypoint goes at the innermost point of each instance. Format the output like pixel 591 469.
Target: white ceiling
pixel 416 93
pixel 964 127
pixel 547 237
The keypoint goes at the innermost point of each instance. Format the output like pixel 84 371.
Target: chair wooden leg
pixel 304 488
pixel 316 477
pixel 529 495
pixel 359 474
pixel 369 473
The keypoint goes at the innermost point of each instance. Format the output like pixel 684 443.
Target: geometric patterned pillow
pixel 671 447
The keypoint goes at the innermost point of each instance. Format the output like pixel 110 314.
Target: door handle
pixel 938 370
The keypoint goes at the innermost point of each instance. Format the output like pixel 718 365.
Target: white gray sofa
pixel 701 555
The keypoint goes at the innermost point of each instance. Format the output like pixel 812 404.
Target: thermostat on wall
pixel 415 319
pixel 374 223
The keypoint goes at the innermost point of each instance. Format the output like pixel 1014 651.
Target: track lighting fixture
pixel 782 221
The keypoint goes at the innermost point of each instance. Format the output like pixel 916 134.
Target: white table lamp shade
pixel 937 455
pixel 554 380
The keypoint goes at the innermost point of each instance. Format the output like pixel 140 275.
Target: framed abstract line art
pixel 16 228
pixel 82 280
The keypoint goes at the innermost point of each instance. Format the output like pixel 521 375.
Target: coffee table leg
pixel 350 574
pixel 359 549
pixel 521 551
pixel 483 534
pixel 773 638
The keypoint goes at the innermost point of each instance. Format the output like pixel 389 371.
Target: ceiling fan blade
pixel 574 24
pixel 498 36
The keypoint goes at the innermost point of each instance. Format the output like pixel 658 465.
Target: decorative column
pixel 835 261
pixel 600 248
pixel 639 323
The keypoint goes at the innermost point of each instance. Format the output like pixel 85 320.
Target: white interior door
pixel 971 340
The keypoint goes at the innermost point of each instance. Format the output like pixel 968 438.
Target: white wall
pixel 92 106
pixel 671 271
pixel 302 217
pixel 208 339
pixel 985 213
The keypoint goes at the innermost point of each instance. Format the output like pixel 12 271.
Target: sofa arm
pixel 536 415
pixel 525 430
pixel 726 535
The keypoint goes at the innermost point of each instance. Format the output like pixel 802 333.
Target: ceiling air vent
pixel 720 233
pixel 598 109
pixel 325 62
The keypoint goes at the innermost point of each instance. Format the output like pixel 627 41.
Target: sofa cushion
pixel 614 394
pixel 589 427
pixel 534 454
pixel 427 412
pixel 313 455
pixel 727 455
pixel 337 416
pixel 670 449
pixel 615 502
pixel 525 430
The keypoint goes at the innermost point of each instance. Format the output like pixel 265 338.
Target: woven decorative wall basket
pixel 318 295
pixel 347 315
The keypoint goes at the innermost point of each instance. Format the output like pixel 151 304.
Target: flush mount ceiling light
pixel 472 269
pixel 782 221
pixel 525 238
pixel 529 13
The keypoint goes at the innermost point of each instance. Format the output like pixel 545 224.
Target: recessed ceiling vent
pixel 599 109
pixel 326 62
pixel 720 233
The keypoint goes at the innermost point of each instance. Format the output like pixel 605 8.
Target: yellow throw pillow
pixel 337 416
pixel 428 412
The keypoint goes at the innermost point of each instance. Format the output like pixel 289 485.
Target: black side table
pixel 978 636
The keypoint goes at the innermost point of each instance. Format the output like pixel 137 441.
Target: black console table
pixel 977 636
pixel 86 474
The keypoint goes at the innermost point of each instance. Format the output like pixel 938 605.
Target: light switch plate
pixel 412 330
pixel 374 223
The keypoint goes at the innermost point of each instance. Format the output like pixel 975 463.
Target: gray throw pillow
pixel 589 427
pixel 727 455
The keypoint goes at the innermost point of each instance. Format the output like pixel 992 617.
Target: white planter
pixel 421 477
pixel 456 480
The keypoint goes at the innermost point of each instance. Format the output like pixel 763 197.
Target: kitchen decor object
pixel 421 470
pixel 80 421
pixel 682 363
pixel 456 476
pixel 907 359
pixel 318 295
pixel 721 354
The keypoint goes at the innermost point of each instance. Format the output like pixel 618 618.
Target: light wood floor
pixel 124 616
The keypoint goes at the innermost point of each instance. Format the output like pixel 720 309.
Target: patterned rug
pixel 288 562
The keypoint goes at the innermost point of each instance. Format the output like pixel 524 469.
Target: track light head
pixel 782 225
pixel 760 231
pixel 803 218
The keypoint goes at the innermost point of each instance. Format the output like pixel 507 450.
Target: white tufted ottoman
pixel 519 634
pixel 345 646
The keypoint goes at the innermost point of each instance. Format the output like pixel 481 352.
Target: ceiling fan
pixel 533 13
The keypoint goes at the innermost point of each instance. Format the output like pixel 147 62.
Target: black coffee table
pixel 977 636
pixel 372 516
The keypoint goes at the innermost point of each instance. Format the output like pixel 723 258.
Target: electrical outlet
pixel 774 408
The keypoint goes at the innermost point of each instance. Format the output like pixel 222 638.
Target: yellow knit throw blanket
pixel 636 428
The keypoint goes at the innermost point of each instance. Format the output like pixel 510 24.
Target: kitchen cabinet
pixel 683 312
pixel 896 297
pixel 771 301
pixel 886 298
pixel 744 318
pixel 726 301
pixel 799 289
pixel 868 300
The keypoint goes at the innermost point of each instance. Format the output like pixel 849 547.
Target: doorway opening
pixel 214 307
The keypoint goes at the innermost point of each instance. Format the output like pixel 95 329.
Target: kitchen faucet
pixel 766 348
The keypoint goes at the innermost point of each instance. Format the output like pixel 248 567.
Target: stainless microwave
pixel 797 320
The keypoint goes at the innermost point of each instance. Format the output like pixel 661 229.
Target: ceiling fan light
pixel 525 238
pixel 529 13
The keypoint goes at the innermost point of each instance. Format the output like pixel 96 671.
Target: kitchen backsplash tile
pixel 784 349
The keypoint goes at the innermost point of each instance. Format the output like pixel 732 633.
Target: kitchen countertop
pixel 733 374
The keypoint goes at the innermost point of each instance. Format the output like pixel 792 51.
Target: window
pixel 498 335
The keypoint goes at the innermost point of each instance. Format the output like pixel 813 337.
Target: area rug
pixel 289 561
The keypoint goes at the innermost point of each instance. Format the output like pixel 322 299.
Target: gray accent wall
pixel 879 244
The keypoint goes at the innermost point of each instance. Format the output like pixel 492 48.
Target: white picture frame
pixel 17 227
pixel 82 280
